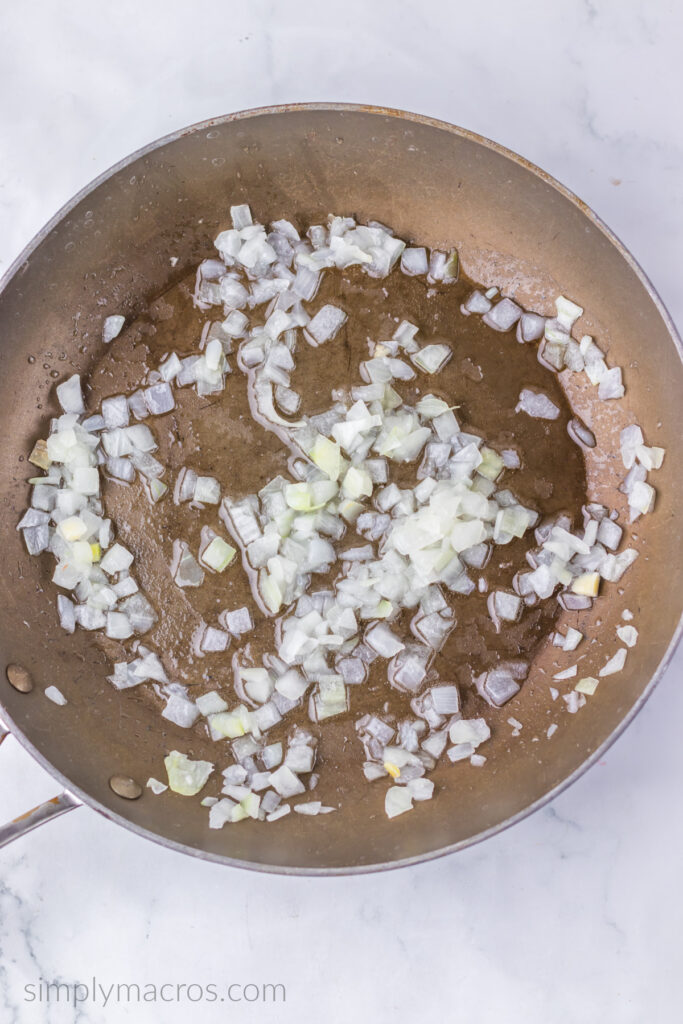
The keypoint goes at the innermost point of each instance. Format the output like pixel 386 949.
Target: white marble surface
pixel 572 916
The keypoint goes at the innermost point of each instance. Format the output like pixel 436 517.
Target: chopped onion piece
pixel 499 685
pixel 181 712
pixel 326 455
pixel 112 327
pixel 54 694
pixel 536 405
pixel 421 789
pixel 140 612
pixel 407 669
pixel 214 640
pixel 288 400
pixel 531 327
pixel 445 699
pixel 432 358
pixel 511 459
pixel 156 786
pixel 491 464
pixel 186 572
pixel 279 812
pixel 503 315
pixel 116 560
pixel 636 474
pixel 185 776
pixel 157 489
pixel 310 807
pixel 238 621
pixel 115 412
pixel 258 684
pixel 170 367
pixel 381 639
pixel 630 439
pixel 398 800
pixel 286 783
pixel 159 398
pixel 86 480
pixel 326 323
pixel 615 663
pixel 567 312
pixel 218 555
pixel 472 730
pixel 574 701
pixel 271 756
pixel 503 605
pixel 292 685
pixel 230 724
pixel 477 302
pixel 414 261
pixel 642 498
pixel 67 616
pixel 37 539
pixel 586 585
pixel 611 385
pixel 460 752
pixel 118 626
pixel 572 639
pixel 330 700
pixel 579 432
pixel 650 458
pixel 609 534
pixel 211 703
pixel 70 396
pixel 357 483
pixel 207 490
pixel 628 635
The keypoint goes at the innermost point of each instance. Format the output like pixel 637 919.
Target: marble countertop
pixel 573 915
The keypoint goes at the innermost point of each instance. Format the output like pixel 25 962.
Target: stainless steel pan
pixel 514 226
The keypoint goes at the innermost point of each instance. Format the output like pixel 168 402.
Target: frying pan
pixel 108 251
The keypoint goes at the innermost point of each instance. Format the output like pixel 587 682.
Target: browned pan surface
pixel 110 253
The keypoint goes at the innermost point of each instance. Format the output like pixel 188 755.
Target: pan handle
pixel 39 815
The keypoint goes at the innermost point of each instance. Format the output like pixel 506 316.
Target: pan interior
pixel 110 253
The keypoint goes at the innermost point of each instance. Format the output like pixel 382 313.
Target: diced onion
pixel 112 327
pixel 70 396
pixel 397 801
pixel 615 663
pixel 536 405
pixel 432 358
pixel 503 315
pixel 418 541
pixel 326 323
pixel 54 694
pixel 185 776
pixel 218 555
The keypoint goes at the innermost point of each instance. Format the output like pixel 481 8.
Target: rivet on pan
pixel 126 787
pixel 20 678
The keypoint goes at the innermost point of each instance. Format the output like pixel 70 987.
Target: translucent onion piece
pixel 55 695
pixel 112 327
pixel 326 323
pixel 536 405
pixel 70 396
pixel 185 776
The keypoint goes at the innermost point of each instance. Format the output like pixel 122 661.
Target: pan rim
pixel 389 112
